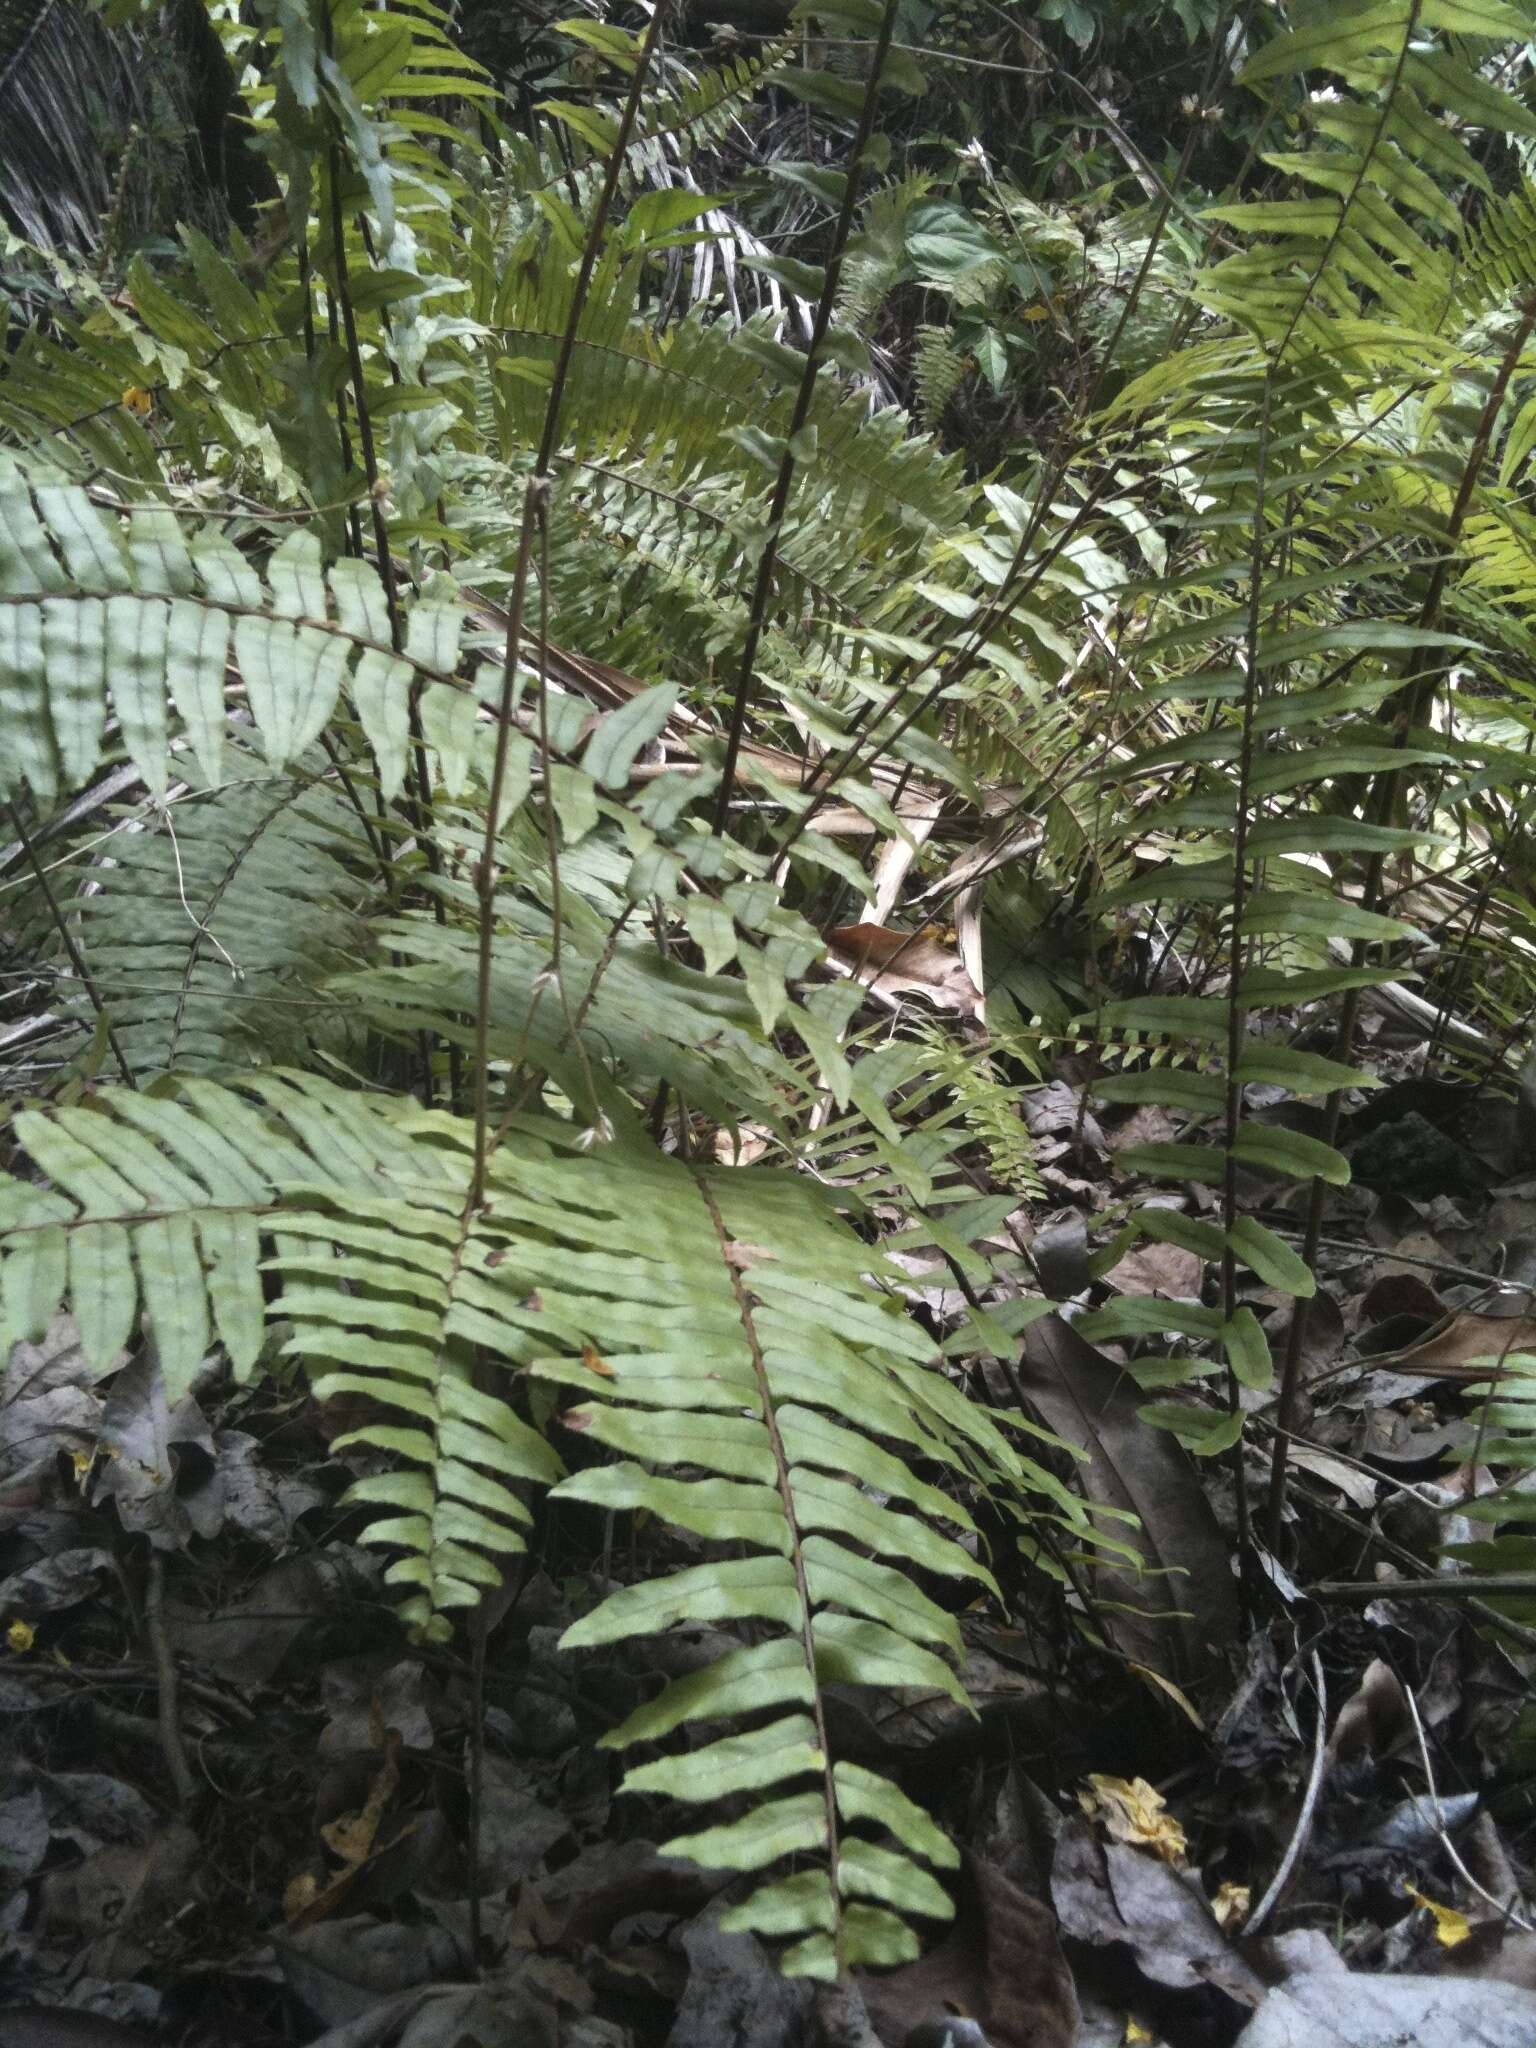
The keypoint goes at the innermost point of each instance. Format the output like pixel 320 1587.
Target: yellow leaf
pixel 1451 1928
pixel 19 1636
pixel 1231 1904
pixel 1033 313
pixel 139 401
pixel 1136 2032
pixel 1133 1811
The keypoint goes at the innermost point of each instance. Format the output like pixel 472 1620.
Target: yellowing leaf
pixel 1231 1904
pixel 1133 1811
pixel 19 1637
pixel 1136 2032
pixel 1180 1698
pixel 139 401
pixel 1451 1928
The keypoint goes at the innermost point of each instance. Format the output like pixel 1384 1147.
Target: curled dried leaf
pixel 1133 1811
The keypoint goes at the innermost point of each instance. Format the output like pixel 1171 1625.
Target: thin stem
pixel 476 1783
pixel 343 290
pixel 1237 1015
pixel 1303 1828
pixel 171 1745
pixel 419 804
pixel 534 495
pixel 779 502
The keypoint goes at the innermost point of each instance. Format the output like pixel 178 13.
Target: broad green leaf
pixel 1290 1152
pixel 103 1291
pixel 1304 1073
pixel 742 1682
pixel 736 1763
pixel 1271 1258
pixel 1199 1017
pixel 784 1827
pixel 1145 1315
pixel 621 735
pixel 1176 1087
pixel 33 1281
pixel 1247 1350
pixel 171 1282
pixel 1172 1226
pixel 1202 1431
pixel 788 1907
pixel 1173 1162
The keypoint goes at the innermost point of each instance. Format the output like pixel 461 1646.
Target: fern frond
pixel 757 1386
pixel 138 619
pixel 1370 232
pixel 762 1393
pixel 209 927
pixel 938 370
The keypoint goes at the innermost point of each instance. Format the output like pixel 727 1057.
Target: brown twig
pixel 171 1745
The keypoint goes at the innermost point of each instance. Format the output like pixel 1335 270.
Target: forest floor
pixel 237 1802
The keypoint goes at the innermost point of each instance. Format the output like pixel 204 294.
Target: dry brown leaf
pixel 352 1840
pixel 1000 1963
pixel 1357 1486
pixel 1165 1269
pixel 743 1146
pixel 741 1254
pixel 1373 1717
pixel 1469 1347
pixel 1148 1125
pixel 1179 1615
pixel 892 963
pixel 1398 1294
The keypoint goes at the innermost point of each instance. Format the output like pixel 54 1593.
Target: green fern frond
pixel 1368 230
pixel 1499 257
pixel 989 1110
pixel 938 370
pixel 209 927
pixel 763 1392
pixel 742 1364
pixel 138 618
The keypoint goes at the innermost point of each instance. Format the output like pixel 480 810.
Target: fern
pixel 765 1375
pixel 938 370
pixel 1271 708
pixel 209 927
pixel 138 619
pixel 989 1109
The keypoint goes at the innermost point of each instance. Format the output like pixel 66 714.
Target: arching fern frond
pixel 758 1387
pixel 747 1358
pixel 1367 230
pixel 209 926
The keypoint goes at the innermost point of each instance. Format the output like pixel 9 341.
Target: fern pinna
pixel 719 1330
